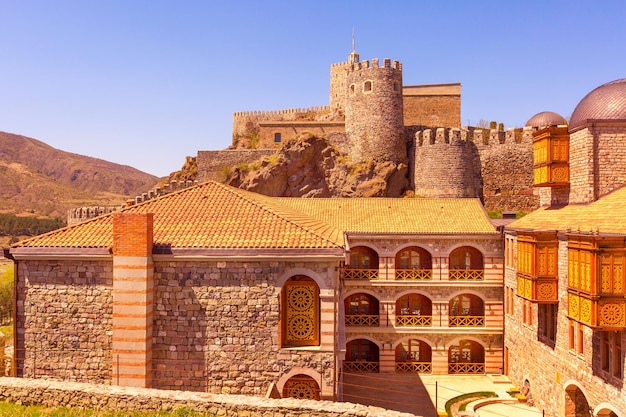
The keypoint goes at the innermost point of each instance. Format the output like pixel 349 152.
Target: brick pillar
pixel 133 283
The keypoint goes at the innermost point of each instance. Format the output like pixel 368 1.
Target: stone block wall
pixel 212 164
pixel 216 327
pixel 432 110
pixel 551 368
pixel 100 397
pixel 66 311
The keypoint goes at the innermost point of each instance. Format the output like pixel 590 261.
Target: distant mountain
pixel 37 179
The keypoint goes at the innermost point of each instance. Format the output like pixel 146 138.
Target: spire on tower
pixel 353 57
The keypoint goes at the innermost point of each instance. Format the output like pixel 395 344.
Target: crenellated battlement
pixel 272 113
pixel 80 214
pixel 481 137
pixel 387 63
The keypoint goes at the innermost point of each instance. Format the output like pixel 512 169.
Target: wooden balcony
pixel 414 320
pixel 414 274
pixel 360 274
pixel 466 275
pixel 466 321
pixel 414 367
pixel 466 368
pixel 362 320
pixel 360 366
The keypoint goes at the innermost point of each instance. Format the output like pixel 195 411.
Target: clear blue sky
pixel 145 83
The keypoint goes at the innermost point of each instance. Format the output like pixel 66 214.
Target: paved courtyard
pixel 423 395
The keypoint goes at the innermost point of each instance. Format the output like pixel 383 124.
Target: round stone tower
pixel 374 114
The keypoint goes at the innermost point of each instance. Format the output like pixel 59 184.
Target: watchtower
pixel 374 111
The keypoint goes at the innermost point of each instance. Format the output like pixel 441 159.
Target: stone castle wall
pixel 495 166
pixel 432 105
pixel 212 164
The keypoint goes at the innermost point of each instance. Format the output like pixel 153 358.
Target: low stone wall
pixel 74 394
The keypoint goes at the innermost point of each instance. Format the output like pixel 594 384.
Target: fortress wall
pixel 247 122
pixel 496 167
pixel 432 110
pixel 289 130
pixel 212 163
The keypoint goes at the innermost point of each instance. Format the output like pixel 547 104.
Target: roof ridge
pixel 248 196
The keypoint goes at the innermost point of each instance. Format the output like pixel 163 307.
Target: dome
pixel 546 118
pixel 607 102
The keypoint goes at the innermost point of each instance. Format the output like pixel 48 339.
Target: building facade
pixel 212 288
pixel 564 275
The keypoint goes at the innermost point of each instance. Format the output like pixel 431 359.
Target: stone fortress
pixel 373 116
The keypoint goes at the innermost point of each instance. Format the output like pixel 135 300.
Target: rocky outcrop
pixel 309 166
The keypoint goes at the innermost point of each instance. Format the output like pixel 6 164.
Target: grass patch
pixel 460 403
pixel 10 410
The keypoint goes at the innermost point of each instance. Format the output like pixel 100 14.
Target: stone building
pixel 212 288
pixel 565 286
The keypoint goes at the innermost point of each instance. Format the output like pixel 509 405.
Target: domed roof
pixel 546 118
pixel 607 102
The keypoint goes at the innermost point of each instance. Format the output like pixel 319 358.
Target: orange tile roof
pixel 216 216
pixel 605 215
pixel 398 215
pixel 210 215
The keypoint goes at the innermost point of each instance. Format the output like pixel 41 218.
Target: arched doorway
pixel 576 404
pixel 302 387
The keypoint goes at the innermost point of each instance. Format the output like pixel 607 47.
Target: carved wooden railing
pixel 415 367
pixel 466 275
pixel 466 368
pixel 360 274
pixel 360 366
pixel 414 321
pixel 466 321
pixel 362 320
pixel 414 274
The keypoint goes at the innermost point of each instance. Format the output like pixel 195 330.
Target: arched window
pixel 361 310
pixel 361 356
pixel 466 263
pixel 468 357
pixel 414 310
pixel 466 310
pixel 302 387
pixel 300 312
pixel 367 86
pixel 352 88
pixel 363 264
pixel 414 263
pixel 362 257
pixel 413 355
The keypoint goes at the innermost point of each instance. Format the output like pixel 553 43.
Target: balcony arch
pixel 576 403
pixel 414 310
pixel 466 263
pixel 413 355
pixel 363 264
pixel 362 355
pixel 414 263
pixel 466 310
pixel 362 309
pixel 466 357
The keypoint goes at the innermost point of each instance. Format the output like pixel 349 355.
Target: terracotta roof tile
pixel 604 215
pixel 398 215
pixel 210 215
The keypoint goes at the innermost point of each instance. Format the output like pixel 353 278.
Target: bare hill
pixel 40 180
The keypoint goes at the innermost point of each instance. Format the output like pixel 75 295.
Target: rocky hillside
pixel 309 166
pixel 37 179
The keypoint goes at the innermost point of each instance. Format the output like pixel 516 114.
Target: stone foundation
pixel 73 394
